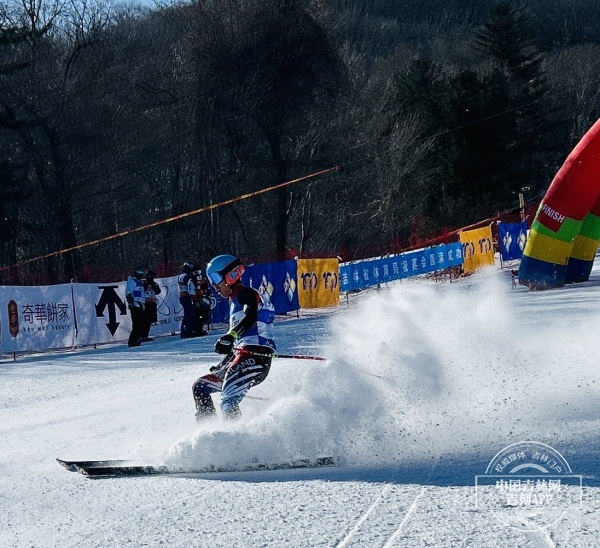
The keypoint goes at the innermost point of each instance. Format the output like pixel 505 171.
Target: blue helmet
pixel 225 267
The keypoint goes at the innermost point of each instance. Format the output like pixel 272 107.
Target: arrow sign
pixel 109 299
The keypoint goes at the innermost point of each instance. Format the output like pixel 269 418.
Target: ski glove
pixel 224 344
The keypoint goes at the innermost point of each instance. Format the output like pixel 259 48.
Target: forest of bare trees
pixel 436 113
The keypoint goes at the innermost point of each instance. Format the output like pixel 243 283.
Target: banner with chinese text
pixel 370 272
pixel 35 318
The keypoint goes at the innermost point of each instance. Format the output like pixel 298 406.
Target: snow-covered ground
pixel 424 385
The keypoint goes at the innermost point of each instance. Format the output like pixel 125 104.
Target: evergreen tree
pixel 11 168
pixel 530 118
pixel 424 90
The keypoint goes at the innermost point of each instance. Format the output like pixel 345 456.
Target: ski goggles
pixel 230 278
pixel 215 278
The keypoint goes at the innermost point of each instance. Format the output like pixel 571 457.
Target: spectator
pixel 151 290
pixel 134 295
pixel 187 297
pixel 202 304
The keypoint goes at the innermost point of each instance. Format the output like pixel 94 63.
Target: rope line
pixel 275 187
pixel 170 219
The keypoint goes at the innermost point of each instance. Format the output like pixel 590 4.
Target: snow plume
pixel 416 372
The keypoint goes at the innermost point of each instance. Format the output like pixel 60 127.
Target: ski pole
pixel 299 357
pixel 285 356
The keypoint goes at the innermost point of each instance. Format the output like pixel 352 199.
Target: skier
pixel 187 297
pixel 151 290
pixel 248 345
pixel 134 295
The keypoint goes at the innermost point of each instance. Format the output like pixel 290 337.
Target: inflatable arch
pixel 565 233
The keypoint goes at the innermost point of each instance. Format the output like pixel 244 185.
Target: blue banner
pixel 219 307
pixel 276 282
pixel 358 275
pixel 512 238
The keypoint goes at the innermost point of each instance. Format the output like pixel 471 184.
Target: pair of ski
pixel 130 468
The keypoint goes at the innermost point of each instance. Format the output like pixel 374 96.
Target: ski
pixel 127 468
pixel 75 465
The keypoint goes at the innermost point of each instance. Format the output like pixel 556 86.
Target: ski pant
pixel 233 377
pixel 202 316
pixel 189 318
pixel 138 325
pixel 151 316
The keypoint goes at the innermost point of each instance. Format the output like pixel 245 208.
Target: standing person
pixel 248 346
pixel 187 297
pixel 202 304
pixel 151 290
pixel 134 295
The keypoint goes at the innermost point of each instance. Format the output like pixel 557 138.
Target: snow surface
pixel 424 384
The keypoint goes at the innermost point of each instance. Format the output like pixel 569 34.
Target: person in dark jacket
pixel 187 298
pixel 151 290
pixel 202 304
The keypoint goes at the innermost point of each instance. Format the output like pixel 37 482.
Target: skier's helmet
pixel 225 267
pixel 138 272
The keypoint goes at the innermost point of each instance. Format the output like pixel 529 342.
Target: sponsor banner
pixel 219 307
pixel 512 238
pixel 478 250
pixel 169 310
pixel 454 254
pixel 36 318
pixel 277 283
pixel 102 314
pixel 362 274
pixel 318 283
pixel 103 317
pixel 63 316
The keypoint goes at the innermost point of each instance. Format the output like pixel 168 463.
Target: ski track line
pixel 364 517
pixel 413 505
pixel 539 537
pixel 408 514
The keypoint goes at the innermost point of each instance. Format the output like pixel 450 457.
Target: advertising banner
pixel 36 318
pixel 169 311
pixel 512 238
pixel 103 317
pixel 318 283
pixel 64 316
pixel 370 272
pixel 478 250
pixel 219 308
pixel 276 282
pixel 362 274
